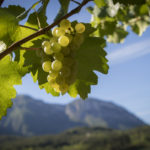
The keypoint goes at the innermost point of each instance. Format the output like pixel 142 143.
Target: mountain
pixel 96 112
pixel 82 139
pixel 33 117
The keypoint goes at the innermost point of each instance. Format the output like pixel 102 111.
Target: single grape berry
pixel 56 65
pixel 47 66
pixel 49 78
pixel 60 32
pixel 63 40
pixel 65 24
pixel 45 44
pixel 48 50
pixel 54 31
pixel 55 47
pixel 80 28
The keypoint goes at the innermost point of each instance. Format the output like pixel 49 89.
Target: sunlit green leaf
pixel 10 75
pixel 8 26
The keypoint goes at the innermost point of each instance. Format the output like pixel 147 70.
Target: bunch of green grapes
pixel 59 55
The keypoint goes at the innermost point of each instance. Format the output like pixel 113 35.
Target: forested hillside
pixel 82 139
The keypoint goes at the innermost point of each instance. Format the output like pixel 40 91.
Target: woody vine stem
pixel 12 47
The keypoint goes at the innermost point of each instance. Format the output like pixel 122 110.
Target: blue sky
pixel 128 81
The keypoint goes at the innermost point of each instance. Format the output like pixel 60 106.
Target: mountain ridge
pixel 33 117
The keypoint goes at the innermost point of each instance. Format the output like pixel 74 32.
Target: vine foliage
pixel 19 43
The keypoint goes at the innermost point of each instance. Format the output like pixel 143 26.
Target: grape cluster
pixel 60 51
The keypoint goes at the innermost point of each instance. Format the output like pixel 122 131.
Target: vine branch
pixel 42 31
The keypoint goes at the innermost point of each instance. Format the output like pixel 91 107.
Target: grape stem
pixel 14 46
pixel 28 27
pixel 1 2
pixel 38 20
pixel 76 2
pixel 30 48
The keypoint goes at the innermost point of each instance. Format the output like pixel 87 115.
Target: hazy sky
pixel 128 81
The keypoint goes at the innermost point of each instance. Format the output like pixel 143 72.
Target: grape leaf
pixel 15 10
pixel 117 36
pixel 35 64
pixel 108 10
pixel 39 15
pixel 22 33
pixel 100 12
pixel 63 9
pixel 8 26
pixel 91 51
pixel 144 9
pixel 107 28
pixel 24 14
pixel 10 75
pixel 112 10
pixel 141 25
pixel 83 89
